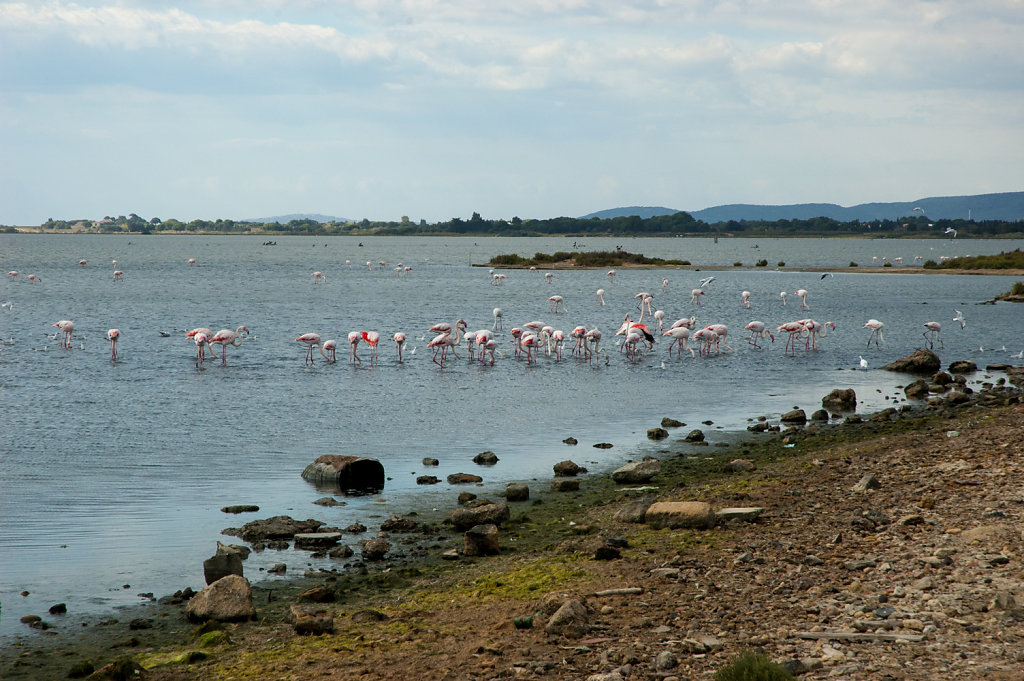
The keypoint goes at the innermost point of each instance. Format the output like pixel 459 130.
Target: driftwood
pixel 857 636
pixel 628 591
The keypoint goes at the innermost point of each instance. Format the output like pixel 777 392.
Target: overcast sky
pixel 532 108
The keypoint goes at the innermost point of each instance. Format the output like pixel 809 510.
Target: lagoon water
pixel 113 473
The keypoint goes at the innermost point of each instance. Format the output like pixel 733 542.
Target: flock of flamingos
pixel 534 338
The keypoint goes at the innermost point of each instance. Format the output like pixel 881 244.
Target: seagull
pixel 827 274
pixel 959 317
pixel 1019 355
pixel 863 362
pixel 9 305
pixel 950 230
pixel 705 281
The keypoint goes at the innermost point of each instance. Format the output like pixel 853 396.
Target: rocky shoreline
pixel 858 547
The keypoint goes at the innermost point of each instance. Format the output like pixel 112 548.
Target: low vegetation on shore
pixel 1012 260
pixel 616 258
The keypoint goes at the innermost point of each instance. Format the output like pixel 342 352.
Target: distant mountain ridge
pixel 284 219
pixel 1001 206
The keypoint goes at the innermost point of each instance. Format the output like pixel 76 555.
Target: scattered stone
pixel 695 435
pixel 603 445
pixel 565 485
pixel 463 479
pixel 819 415
pixel 794 416
pixel 228 599
pixel 963 366
pixel 680 514
pixel 430 461
pixel 222 564
pixel 318 594
pixel 346 472
pixel 356 528
pixel 59 609
pixel 867 482
pixel 607 552
pixel 568 469
pixel 957 397
pixel 840 401
pixel 310 621
pixel 277 569
pixel 277 527
pixel 343 551
pixel 656 433
pixel 487 458
pixel 916 390
pixel 481 540
pixel 241 508
pixel 375 549
pixel 666 422
pixel 941 378
pixel 922 361
pixel 397 523
pixel 884 415
pixel 317 540
pixel 746 514
pixel 637 472
pixel 634 511
pixel 465 498
pixel 517 491
pixel 759 427
pixel 328 501
pixel 860 564
pixel 427 480
pixel 572 619
pixel 570 441
pixel 463 519
pixel 740 466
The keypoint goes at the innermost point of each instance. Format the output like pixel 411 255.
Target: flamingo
pixel 191 262
pixel 757 330
pixel 13 274
pixel 399 339
pixel 579 334
pixel 646 304
pixel 794 329
pixel 958 317
pixel 695 295
pixel 82 263
pixel 118 275
pixel 600 294
pixel 66 328
pixel 555 302
pixel 611 275
pixel 557 339
pixel 318 277
pixel 226 337
pixel 632 338
pixel 112 336
pixel 721 330
pixel 816 330
pixel 746 299
pixel 482 337
pixel 782 294
pixel 660 316
pixel 490 347
pixel 548 276
pixel 706 338
pixel 353 341
pixel 931 333
pixel 593 336
pixel 680 336
pixel 200 330
pixel 803 298
pixel 529 341
pixel 329 350
pixel 876 331
pixel 202 342
pixel 686 322
pixel 372 338
pixel 32 278
pixel 664 284
pixel 310 339
pixel 499 316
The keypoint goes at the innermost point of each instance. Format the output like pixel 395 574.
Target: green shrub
pixel 781 263
pixel 888 264
pixel 737 264
pixel 853 264
pixel 762 263
pixel 749 666
pixel 1018 289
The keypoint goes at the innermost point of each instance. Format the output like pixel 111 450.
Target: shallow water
pixel 113 472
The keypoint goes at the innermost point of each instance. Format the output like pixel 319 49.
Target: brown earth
pixel 930 558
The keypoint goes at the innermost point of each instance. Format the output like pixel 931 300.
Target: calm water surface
pixel 113 473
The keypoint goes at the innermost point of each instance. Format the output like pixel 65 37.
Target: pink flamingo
pixel 202 342
pixel 517 336
pixel 782 294
pixel 706 338
pixel 529 341
pixel 200 330
pixel 330 350
pixel 226 337
pixel 32 278
pixel 817 330
pixel 600 296
pixel 803 298
pixel 118 275
pixel 555 302
pixel 82 263
pixel 660 316
pixel 557 339
pixel 112 336
pixel 611 275
pixel 490 347
pixel 593 339
pixel 311 340
pixel 688 323
pixel 633 336
pixel 746 299
pixel 931 333
pixel 695 295
pixel 645 303
pixel 721 330
pixel 372 338
pixel 399 339
pixel 876 331
pixel 757 330
pixel 499 319
pixel 548 276
pixel 439 343
pixel 794 329
pixel 191 262
pixel 577 334
pixel 318 277
pixel 680 338
pixel 353 341
pixel 66 328
pixel 13 274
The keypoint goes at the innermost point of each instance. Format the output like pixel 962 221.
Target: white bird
pixel 950 230
pixel 827 274
pixel 1019 355
pixel 705 281
pixel 959 317
pixel 863 362
pixel 9 305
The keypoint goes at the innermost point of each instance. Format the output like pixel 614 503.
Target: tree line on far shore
pixel 678 224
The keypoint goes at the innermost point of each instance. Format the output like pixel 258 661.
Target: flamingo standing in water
pixel 611 275
pixel 555 302
pixel 330 350
pixel 372 338
pixel 499 318
pixel 32 278
pixel 817 330
pixel 680 338
pixel 660 316
pixel 191 262
pixel 528 342
pixel 782 294
pixel 721 330
pixel 82 263
pixel 757 330
pixel 695 295
pixel 600 296
pixel 399 339
pixel 226 337
pixel 118 275
pixel 66 328
pixel 794 329
pixel 202 342
pixel 310 339
pixel 706 338
pixel 13 274
pixel 931 333
pixel 592 340
pixel 353 340
pixel 803 298
pixel 318 277
pixel 746 299
pixel 112 336
pixel 876 331
pixel 578 335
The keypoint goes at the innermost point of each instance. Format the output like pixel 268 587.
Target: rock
pixel 277 569
pixel 329 502
pixel 819 415
pixel 356 528
pixel 241 508
pixel 318 594
pixel 346 472
pixel 916 390
pixel 636 472
pixel 517 491
pixel 665 660
pixel 941 378
pixel 59 609
pixel 229 599
pixel 463 519
pixel 794 416
pixel 487 458
pixel 310 620
pixel 607 552
pixel 603 445
pixel 680 514
pixel 957 397
pixel 463 479
pixel 397 523
pixel 695 435
pixel 570 441
pixel 572 619
pixel 634 511
pixel 429 461
pixel 343 551
pixel 222 564
pixel 81 669
pixel 656 433
pixel 277 527
pixel 759 427
pixel 568 469
pixel 1003 600
pixel 564 485
pixel 427 480
pixel 867 482
pixel 740 466
pixel 746 514
pixel 840 400
pixel 317 540
pixel 666 422
pixel 375 549
pixel 481 540
pixel 884 415
pixel 465 498
pixel 963 366
pixel 920 362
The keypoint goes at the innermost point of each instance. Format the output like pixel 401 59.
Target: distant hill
pixel 1003 206
pixel 284 219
